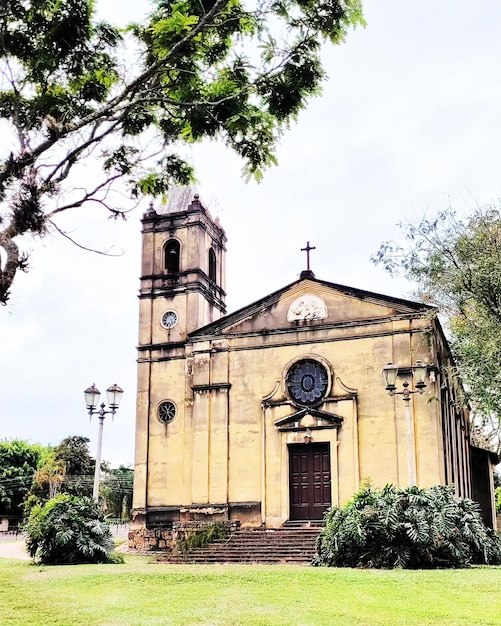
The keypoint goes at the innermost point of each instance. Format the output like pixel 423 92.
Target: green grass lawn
pixel 144 593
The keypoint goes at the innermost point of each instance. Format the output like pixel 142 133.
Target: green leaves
pixel 456 264
pixel 410 528
pixel 68 529
pixel 210 69
pixel 116 491
pixel 223 95
pixel 121 160
pixel 163 30
pixel 217 531
pixel 157 183
pixel 18 463
pixel 46 37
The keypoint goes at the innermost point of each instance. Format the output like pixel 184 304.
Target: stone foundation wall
pixel 167 539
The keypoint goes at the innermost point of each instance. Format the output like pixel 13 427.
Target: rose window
pixel 307 382
pixel 166 412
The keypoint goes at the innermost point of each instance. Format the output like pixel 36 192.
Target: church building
pixel 278 411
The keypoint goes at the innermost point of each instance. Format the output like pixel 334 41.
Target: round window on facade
pixel 166 412
pixel 307 382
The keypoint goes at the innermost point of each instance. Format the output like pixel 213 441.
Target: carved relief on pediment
pixel 307 307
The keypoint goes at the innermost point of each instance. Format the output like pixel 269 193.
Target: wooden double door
pixel 309 480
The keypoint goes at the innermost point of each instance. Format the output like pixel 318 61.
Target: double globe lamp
pixel 418 372
pixel 92 394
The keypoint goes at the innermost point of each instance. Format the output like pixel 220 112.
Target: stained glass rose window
pixel 307 382
pixel 166 412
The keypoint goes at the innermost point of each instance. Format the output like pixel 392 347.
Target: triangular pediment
pixel 310 301
pixel 299 421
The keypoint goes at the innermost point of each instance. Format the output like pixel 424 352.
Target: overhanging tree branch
pixel 63 96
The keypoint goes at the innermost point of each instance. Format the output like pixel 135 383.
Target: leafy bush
pixel 408 528
pixel 498 499
pixel 203 536
pixel 69 529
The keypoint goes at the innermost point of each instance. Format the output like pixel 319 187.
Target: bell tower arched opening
pixel 212 265
pixel 172 255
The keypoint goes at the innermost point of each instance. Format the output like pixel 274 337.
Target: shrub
pixel 408 528
pixel 201 537
pixel 498 499
pixel 68 529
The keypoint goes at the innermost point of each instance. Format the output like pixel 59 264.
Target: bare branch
pixel 89 197
pixel 70 158
pixel 81 246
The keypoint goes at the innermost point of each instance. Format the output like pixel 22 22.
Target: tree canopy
pixel 214 69
pixel 19 460
pixel 68 467
pixel 116 491
pixel 51 475
pixel 74 452
pixel 32 474
pixel 456 264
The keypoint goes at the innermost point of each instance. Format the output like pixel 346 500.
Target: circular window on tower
pixel 307 382
pixel 166 412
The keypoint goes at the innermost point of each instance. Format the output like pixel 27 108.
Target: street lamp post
pixel 418 372
pixel 114 395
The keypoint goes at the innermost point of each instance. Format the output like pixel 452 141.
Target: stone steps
pixel 268 546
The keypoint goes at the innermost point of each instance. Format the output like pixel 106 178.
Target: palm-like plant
pixel 52 473
pixel 409 528
pixel 68 529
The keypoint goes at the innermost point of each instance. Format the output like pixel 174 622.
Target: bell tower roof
pixel 179 199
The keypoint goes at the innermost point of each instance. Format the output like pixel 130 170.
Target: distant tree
pixel 214 69
pixel 79 476
pixel 116 491
pixel 408 528
pixel 68 529
pixel 19 460
pixel 456 264
pixel 51 474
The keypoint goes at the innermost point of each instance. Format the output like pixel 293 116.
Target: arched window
pixel 172 253
pixel 212 264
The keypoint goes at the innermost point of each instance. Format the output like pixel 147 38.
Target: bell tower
pixel 182 288
pixel 183 270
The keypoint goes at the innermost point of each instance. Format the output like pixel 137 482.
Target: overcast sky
pixel 409 122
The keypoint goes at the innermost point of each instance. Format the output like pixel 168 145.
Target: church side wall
pixel 167 441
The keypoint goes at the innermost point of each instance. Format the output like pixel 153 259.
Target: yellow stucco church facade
pixel 278 411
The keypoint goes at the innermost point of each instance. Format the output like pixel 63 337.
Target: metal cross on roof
pixel 307 250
